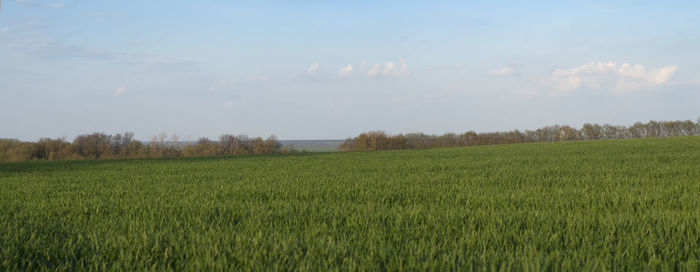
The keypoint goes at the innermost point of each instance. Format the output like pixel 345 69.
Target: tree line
pixel 379 140
pixel 103 146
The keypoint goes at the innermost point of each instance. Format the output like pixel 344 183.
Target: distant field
pixel 597 205
pixel 313 145
pixel 318 149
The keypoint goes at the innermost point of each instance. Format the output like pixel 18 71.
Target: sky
pixel 334 69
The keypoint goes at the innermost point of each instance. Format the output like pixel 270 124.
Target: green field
pixel 318 149
pixel 632 204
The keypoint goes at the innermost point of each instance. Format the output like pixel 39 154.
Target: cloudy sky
pixel 324 69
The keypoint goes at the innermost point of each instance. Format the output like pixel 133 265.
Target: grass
pixel 318 149
pixel 600 205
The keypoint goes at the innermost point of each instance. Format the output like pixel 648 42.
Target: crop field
pixel 596 205
pixel 314 145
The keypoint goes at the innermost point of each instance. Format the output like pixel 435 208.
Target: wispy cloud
pixel 610 75
pixel 232 82
pixel 119 91
pixel 42 4
pixel 504 71
pixel 32 39
pixel 154 59
pixel 55 5
pixel 314 66
pixel 347 70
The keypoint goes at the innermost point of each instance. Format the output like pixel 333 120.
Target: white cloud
pixel 390 69
pixel 600 75
pixel 4 29
pixel 346 70
pixel 374 70
pixel 314 66
pixel 119 91
pixel 504 71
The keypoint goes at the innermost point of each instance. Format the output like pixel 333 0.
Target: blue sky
pixel 326 69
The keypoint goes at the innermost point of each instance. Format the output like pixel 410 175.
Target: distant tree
pixel 348 144
pixel 20 151
pixel 203 147
pixel 92 146
pixel 272 145
pixel 51 149
pixel 470 137
pixel 162 146
pixel 135 149
pixel 7 152
pixel 565 133
pixel 237 145
pixel 637 130
pixel 688 128
pixel 654 129
pixel 591 131
pixel 119 144
pixel 99 145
